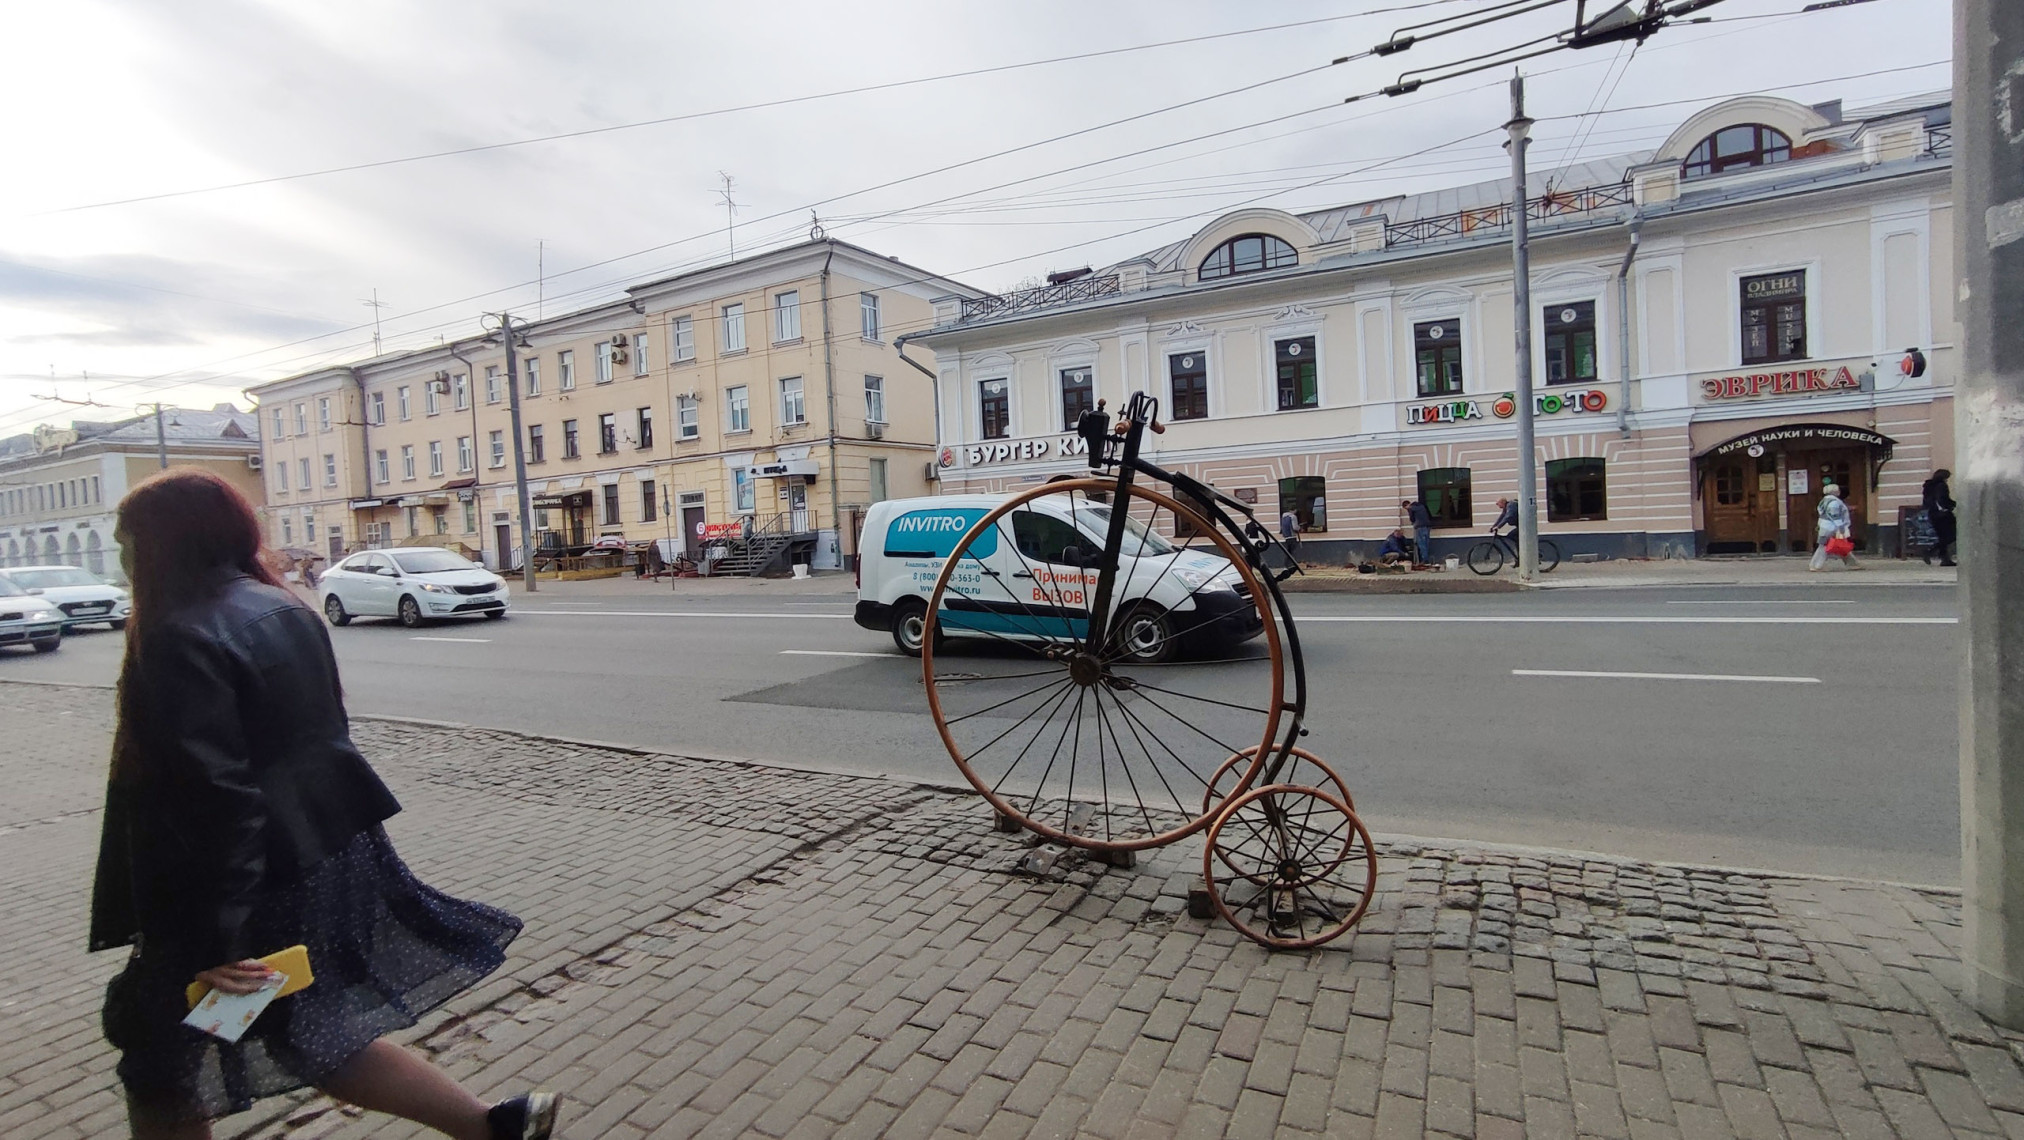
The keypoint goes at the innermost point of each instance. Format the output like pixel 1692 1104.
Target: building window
pixel 492 384
pixel 536 445
pixel 878 492
pixel 435 457
pixel 323 413
pixel 1576 489
pixel 1188 380
pixel 793 407
pixel 460 385
pixel 1445 491
pixel 280 482
pixel 639 354
pixel 644 421
pixel 607 433
pixel 605 352
pixel 737 409
pixel 287 531
pixel 745 495
pixel 569 445
pixel 874 399
pixel 565 370
pixel 1736 148
pixel 1298 384
pixel 1252 253
pixel 1437 356
pixel 1774 317
pixel 467 460
pixel 867 310
pixel 734 328
pixel 302 419
pixel 432 403
pixel 688 421
pixel 496 443
pixel 379 463
pixel 1078 395
pixel 611 504
pixel 1570 343
pixel 786 316
pixel 302 470
pixel 994 409
pixel 1306 496
pixel 378 404
pixel 401 403
pixel 280 424
pixel 407 461
pixel 329 469
pixel 534 376
pixel 470 517
pixel 441 515
pixel 649 509
pixel 682 333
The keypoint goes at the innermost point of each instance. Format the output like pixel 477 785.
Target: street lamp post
pixel 1520 129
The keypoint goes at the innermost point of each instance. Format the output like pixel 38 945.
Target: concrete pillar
pixel 1989 483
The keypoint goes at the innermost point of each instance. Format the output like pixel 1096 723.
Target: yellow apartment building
pixel 760 395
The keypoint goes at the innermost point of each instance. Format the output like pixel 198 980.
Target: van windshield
pixel 1139 542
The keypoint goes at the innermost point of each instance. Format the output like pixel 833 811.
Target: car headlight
pixel 38 615
pixel 1197 580
pixel 431 587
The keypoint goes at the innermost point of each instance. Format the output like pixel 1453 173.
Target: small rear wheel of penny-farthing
pixel 1300 768
pixel 1290 866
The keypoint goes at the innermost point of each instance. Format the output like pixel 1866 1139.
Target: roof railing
pixel 1046 296
pixel 1482 219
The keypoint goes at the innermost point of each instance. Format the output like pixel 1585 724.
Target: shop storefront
pixel 1759 490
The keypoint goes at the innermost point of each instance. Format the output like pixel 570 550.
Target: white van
pixel 1030 582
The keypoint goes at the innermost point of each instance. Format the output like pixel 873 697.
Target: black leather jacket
pixel 245 775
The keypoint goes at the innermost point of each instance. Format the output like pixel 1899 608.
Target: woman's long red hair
pixel 184 530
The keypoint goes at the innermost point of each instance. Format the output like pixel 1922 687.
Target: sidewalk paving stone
pixel 717 948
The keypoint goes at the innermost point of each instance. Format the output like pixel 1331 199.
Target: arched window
pixel 1252 253
pixel 1734 148
pixel 94 553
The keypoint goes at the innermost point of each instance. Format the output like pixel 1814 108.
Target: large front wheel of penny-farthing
pixel 1107 743
pixel 1290 866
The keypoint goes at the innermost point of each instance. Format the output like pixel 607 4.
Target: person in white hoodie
pixel 1834 523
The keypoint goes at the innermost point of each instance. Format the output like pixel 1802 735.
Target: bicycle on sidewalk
pixel 1488 556
pixel 1134 677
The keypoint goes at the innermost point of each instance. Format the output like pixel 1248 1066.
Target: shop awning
pixel 1805 437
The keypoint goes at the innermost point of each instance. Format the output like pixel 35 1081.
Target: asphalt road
pixel 1455 716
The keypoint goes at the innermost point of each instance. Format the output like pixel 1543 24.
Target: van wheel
pixel 1145 635
pixel 910 620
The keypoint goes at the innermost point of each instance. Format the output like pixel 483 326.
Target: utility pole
pixel 506 334
pixel 161 438
pixel 1520 129
pixel 1989 448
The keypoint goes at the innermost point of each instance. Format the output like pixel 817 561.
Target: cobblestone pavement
pixel 722 950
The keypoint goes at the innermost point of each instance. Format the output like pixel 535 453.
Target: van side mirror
pixel 1073 556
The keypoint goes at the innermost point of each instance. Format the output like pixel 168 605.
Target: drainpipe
pixel 1623 327
pixel 829 382
pixel 365 440
pixel 934 385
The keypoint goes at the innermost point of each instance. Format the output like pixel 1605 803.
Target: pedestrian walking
pixel 241 821
pixel 1289 530
pixel 1939 504
pixel 1833 528
pixel 1422 521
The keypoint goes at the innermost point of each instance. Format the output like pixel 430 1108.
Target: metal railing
pixel 1047 296
pixel 1939 141
pixel 1552 204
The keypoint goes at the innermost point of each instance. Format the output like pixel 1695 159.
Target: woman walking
pixel 240 820
pixel 1834 524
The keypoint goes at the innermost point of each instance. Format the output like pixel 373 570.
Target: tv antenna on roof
pixel 375 304
pixel 730 214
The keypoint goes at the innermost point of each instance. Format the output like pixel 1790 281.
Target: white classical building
pixel 1721 326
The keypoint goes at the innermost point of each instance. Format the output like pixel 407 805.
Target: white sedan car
pixel 414 585
pixel 26 619
pixel 79 596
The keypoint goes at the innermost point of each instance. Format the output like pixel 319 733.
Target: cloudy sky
pixel 132 268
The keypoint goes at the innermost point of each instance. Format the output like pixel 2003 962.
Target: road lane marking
pixel 462 640
pixel 1663 676
pixel 1767 602
pixel 832 653
pixel 1594 619
pixel 669 614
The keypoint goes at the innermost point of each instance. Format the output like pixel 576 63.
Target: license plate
pixel 94 608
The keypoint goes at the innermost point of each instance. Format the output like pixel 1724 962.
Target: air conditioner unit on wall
pixel 934 471
pixel 874 431
pixel 618 340
pixel 253 461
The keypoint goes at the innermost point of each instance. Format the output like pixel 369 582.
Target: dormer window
pixel 1734 148
pixel 1252 253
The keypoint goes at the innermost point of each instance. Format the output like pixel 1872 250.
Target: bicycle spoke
pixel 1015 726
pixel 1138 685
pixel 1008 700
pixel 1124 765
pixel 1191 727
pixel 1041 787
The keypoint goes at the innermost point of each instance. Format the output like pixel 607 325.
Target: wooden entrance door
pixel 692 539
pixel 1848 470
pixel 1739 495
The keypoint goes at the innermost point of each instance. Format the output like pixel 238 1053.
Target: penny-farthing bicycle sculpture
pixel 1135 678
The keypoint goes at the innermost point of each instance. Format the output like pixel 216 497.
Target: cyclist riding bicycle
pixel 1507 516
